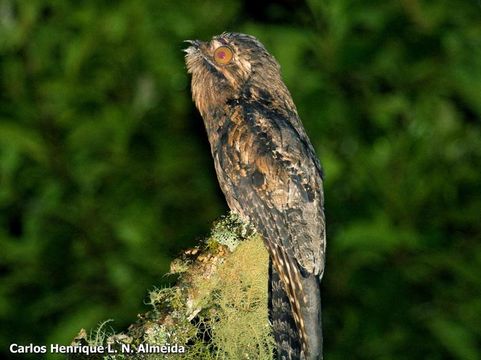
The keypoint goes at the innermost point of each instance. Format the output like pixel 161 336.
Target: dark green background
pixel 105 170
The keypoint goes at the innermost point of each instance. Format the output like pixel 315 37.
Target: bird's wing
pixel 272 177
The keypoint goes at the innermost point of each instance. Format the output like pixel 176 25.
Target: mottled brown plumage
pixel 270 175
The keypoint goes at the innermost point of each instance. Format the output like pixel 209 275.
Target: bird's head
pixel 222 67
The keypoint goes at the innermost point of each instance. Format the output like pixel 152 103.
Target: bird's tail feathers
pixel 294 309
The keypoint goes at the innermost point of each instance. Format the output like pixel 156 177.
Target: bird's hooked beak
pixel 195 45
pixel 197 55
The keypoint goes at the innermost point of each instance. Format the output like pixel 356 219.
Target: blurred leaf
pixel 455 339
pixel 23 140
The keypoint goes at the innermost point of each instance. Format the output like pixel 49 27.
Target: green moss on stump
pixel 217 309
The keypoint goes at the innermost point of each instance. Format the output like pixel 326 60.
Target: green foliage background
pixel 105 171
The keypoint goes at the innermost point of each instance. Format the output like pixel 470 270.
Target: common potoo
pixel 270 176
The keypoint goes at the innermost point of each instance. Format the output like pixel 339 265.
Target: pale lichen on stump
pixel 217 307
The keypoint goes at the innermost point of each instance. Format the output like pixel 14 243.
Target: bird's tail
pixel 287 318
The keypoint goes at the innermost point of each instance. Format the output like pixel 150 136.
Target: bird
pixel 270 175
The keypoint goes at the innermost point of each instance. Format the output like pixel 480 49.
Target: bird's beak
pixel 195 44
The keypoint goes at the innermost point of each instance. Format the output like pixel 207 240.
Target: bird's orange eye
pixel 223 55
